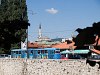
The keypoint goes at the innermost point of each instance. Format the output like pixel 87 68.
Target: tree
pixel 13 23
pixel 13 9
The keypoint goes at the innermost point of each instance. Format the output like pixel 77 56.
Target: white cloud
pixel 52 11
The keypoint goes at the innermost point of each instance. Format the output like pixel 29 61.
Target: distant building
pixel 43 41
pixel 57 39
pixel 44 38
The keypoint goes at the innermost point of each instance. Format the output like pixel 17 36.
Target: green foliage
pixel 13 9
pixel 13 23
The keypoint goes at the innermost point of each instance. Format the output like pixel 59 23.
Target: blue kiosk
pixel 75 54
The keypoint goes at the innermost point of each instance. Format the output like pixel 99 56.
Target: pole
pixel 0 2
pixel 27 44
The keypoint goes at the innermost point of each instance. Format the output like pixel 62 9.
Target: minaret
pixel 40 32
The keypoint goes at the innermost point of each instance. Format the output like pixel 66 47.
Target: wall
pixel 46 67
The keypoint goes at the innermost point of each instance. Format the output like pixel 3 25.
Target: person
pixel 95 51
pixel 92 62
pixel 97 39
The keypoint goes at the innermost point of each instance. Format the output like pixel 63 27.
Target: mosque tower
pixel 40 37
pixel 40 32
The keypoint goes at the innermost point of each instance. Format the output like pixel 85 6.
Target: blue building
pixel 41 53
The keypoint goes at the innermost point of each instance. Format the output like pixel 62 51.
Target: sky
pixel 60 18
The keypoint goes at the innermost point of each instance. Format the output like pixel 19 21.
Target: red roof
pixel 32 45
pixel 36 45
pixel 64 45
